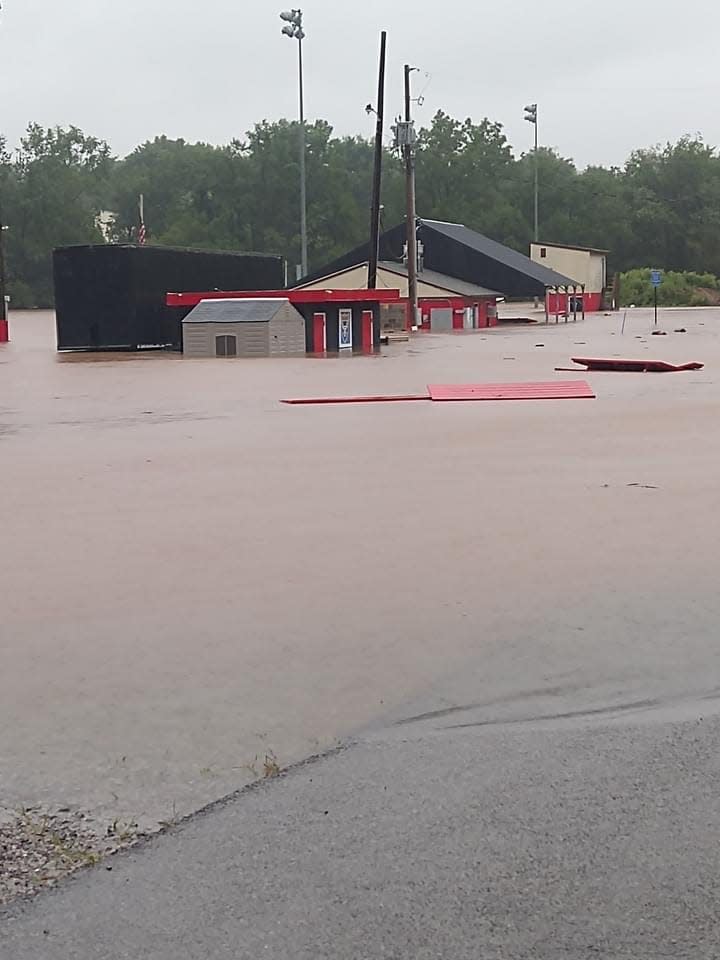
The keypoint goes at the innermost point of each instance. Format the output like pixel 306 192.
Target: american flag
pixel 142 231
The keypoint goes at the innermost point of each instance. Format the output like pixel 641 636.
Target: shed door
pixel 226 346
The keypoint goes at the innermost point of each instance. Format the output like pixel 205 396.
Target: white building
pixel 587 266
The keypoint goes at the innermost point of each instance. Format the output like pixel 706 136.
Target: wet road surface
pixel 583 837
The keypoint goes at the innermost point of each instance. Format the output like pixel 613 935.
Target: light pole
pixel 294 29
pixel 531 115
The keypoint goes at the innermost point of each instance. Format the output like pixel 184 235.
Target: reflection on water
pixel 91 356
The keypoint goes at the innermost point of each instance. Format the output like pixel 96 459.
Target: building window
pixel 226 346
pixel 543 253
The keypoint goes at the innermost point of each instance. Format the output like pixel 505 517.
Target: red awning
pixel 297 297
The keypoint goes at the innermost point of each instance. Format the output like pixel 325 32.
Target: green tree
pixel 674 213
pixel 662 207
pixel 187 189
pixel 465 174
pixel 53 194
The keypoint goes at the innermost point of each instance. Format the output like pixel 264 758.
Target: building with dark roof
pixel 454 250
pixel 444 302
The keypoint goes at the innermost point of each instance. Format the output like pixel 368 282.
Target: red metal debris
pixel 379 399
pixel 552 390
pixel 634 366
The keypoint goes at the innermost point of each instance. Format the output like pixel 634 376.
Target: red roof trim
pixel 294 296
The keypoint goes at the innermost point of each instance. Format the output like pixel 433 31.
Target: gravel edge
pixel 39 847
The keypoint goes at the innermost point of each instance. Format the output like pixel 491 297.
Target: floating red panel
pixel 552 390
pixel 634 366
pixel 371 399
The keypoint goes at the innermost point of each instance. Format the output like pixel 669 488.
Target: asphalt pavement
pixel 550 833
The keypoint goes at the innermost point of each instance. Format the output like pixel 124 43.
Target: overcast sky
pixel 608 76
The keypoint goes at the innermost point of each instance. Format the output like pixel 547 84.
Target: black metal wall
pixel 113 296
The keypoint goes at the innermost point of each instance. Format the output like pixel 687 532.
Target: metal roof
pixel 442 280
pixel 235 311
pixel 498 252
pixel 453 249
pixel 153 248
pixel 431 277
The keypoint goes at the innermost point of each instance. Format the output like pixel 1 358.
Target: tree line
pixel 661 208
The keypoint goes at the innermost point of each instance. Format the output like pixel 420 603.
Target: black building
pixel 112 297
pixel 456 251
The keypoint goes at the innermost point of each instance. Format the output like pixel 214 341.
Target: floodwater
pixel 195 576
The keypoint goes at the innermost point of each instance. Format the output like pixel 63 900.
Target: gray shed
pixel 244 328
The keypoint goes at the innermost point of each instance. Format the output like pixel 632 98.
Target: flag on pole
pixel 142 231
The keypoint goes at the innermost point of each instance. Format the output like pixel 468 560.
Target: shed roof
pixel 236 311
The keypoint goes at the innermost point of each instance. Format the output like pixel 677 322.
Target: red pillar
pixel 319 333
pixel 368 331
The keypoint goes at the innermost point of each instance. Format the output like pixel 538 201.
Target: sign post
pixel 656 279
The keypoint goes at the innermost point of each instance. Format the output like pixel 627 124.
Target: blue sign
pixel 656 277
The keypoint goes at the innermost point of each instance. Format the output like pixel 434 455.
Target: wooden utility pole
pixel 411 215
pixel 3 290
pixel 377 173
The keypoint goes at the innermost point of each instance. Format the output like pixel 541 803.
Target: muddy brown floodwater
pixel 195 577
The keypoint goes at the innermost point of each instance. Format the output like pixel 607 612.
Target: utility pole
pixel 411 215
pixel 377 172
pixel 3 290
pixel 294 29
pixel 531 115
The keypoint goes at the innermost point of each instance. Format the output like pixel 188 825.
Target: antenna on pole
pixel 405 141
